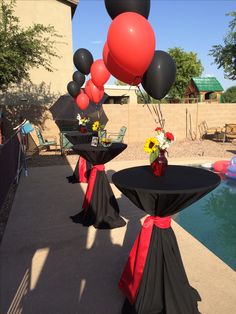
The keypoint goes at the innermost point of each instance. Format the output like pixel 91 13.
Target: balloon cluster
pixel 128 54
pixel 94 87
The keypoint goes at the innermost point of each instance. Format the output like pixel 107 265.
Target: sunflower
pixel 150 145
pixel 95 126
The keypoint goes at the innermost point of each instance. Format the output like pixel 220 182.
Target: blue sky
pixel 192 25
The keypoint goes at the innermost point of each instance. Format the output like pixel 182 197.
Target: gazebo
pixel 201 88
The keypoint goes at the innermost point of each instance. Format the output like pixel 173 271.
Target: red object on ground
pixel 221 165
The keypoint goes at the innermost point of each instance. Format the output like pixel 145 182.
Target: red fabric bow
pixel 92 179
pixel 82 170
pixel 132 273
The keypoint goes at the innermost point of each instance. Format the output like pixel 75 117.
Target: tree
pixel 144 98
pixel 225 55
pixel 187 66
pixel 118 82
pixel 229 96
pixel 22 49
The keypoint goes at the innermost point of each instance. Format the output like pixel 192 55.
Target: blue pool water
pixel 212 220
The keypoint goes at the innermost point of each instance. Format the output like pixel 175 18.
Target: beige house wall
pixel 140 123
pixel 120 90
pixel 57 14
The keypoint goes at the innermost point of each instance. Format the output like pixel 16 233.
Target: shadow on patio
pixel 51 265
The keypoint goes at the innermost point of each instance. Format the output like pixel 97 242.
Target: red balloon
pixel 88 89
pixel 117 71
pixel 94 93
pixel 131 41
pixel 99 73
pixel 82 100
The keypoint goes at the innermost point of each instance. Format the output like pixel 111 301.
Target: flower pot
pixel 159 165
pixel 83 129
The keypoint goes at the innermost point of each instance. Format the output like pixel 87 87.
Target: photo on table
pixel 94 141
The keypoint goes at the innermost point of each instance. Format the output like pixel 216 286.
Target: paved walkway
pixel 49 265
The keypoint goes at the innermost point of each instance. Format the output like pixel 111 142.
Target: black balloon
pixel 73 88
pixel 83 60
pixel 160 75
pixel 115 8
pixel 79 78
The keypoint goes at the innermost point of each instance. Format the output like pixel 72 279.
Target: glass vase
pixel 159 165
pixel 102 134
pixel 83 129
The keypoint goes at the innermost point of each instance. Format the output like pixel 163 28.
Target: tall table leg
pixel 100 207
pixel 81 172
pixel 154 279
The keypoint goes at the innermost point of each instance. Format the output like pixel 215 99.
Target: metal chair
pixel 65 144
pixel 118 137
pixel 230 132
pixel 44 143
pixel 209 133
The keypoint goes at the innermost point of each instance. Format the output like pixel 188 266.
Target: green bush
pixel 229 96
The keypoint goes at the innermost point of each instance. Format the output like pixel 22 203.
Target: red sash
pixel 132 273
pixel 82 169
pixel 90 186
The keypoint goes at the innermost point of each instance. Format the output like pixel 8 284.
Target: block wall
pixel 180 119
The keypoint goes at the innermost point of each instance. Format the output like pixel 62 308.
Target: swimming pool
pixel 212 220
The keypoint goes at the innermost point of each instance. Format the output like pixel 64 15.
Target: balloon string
pixel 162 120
pixel 158 112
pixel 146 103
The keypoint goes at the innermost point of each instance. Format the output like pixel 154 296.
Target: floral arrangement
pixel 97 126
pixel 160 142
pixel 82 120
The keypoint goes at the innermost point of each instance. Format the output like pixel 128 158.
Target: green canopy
pixel 207 84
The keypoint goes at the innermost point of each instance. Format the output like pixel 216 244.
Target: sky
pixel 191 25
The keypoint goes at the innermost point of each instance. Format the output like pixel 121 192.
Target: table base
pixel 81 172
pixel 164 287
pixel 102 211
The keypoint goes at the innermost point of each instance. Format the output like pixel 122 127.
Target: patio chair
pixel 65 144
pixel 230 132
pixel 209 133
pixel 44 143
pixel 118 137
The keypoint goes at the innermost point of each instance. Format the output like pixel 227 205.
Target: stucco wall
pixel 140 123
pixel 58 14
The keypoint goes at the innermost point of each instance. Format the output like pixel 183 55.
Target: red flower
pixel 158 129
pixel 169 136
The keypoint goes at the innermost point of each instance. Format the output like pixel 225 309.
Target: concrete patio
pixel 50 265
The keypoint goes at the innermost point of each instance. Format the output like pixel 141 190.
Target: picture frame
pixel 94 141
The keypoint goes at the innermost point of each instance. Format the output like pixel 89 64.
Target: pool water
pixel 212 220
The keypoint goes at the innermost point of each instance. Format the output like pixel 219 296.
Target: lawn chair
pixel 65 144
pixel 230 132
pixel 118 137
pixel 209 133
pixel 44 143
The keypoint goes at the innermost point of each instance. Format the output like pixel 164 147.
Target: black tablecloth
pixel 164 286
pixel 82 169
pixel 102 210
pixel 166 195
pixel 76 137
